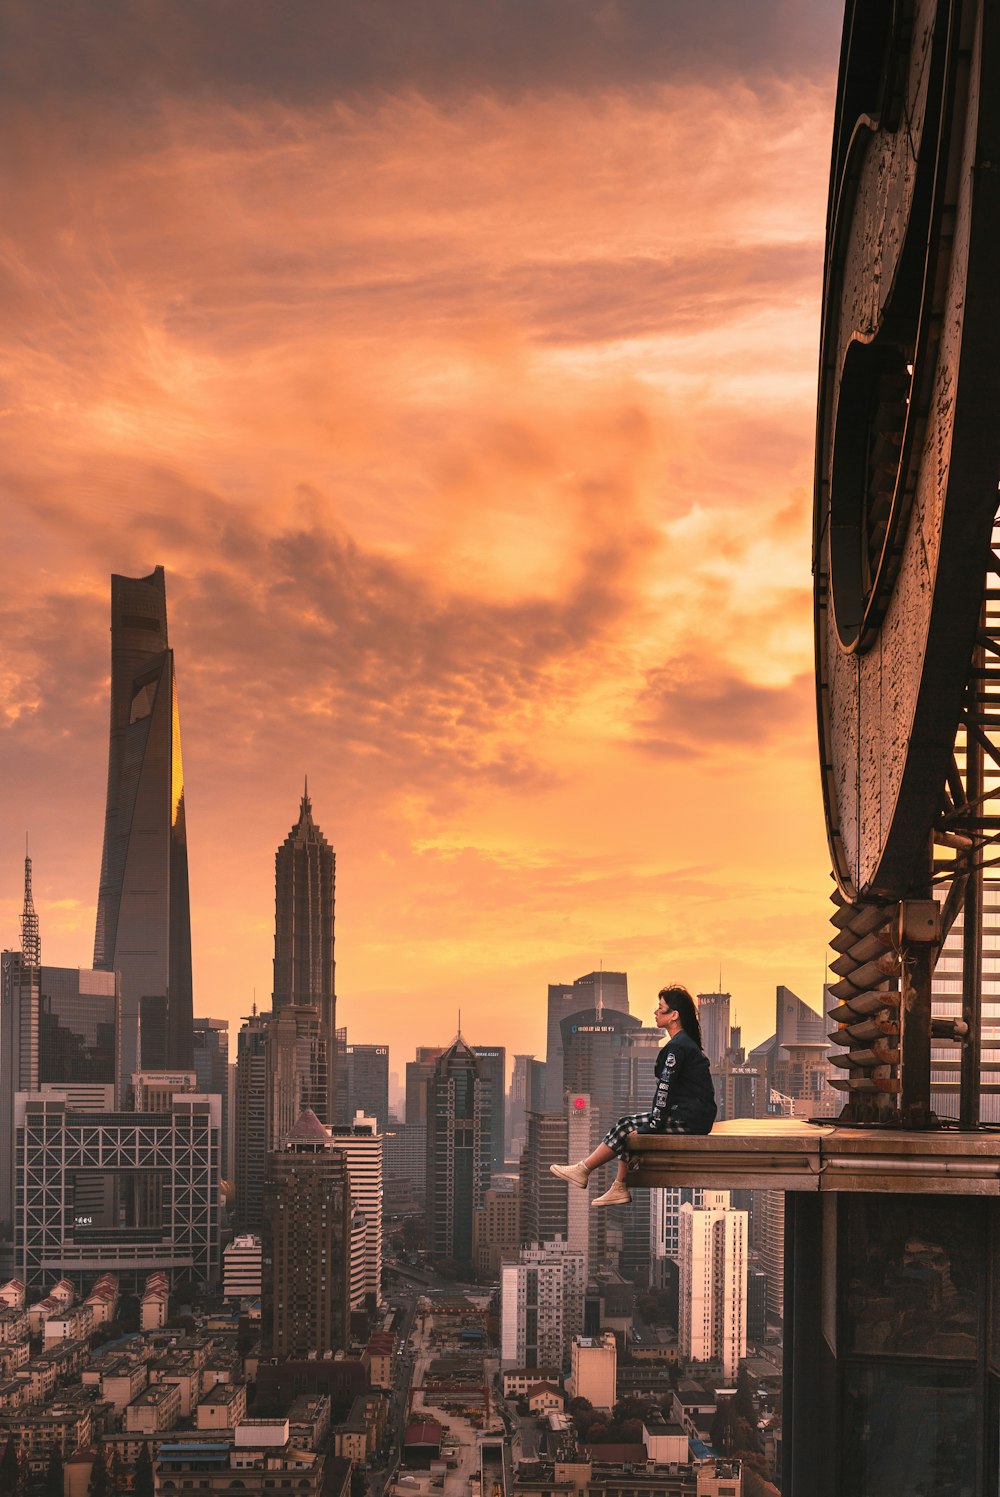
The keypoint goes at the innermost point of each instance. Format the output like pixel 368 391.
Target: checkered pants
pixel 616 1137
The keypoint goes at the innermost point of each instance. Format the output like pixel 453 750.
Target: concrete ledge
pixel 789 1154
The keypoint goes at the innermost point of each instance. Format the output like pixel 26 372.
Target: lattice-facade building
pixel 126 1192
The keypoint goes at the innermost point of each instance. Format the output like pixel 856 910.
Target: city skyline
pixel 467 473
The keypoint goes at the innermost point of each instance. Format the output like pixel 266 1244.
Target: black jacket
pixel 684 1092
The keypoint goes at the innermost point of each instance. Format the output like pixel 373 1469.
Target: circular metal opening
pixel 864 509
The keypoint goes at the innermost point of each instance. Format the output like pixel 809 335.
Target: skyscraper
pixel 527 1094
pixel 541 1305
pixel 544 1207
pixel 304 966
pixel 713 1263
pixel 492 1061
pixel 458 1166
pixel 297 1068
pixel 365 1086
pixel 58 1025
pixel 307 1224
pixel 713 1011
pixel 211 1064
pixel 595 990
pixel 143 908
pixel 251 1120
pixel 418 1073
pixel 360 1142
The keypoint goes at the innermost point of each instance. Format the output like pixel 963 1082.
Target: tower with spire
pixel 304 1006
pixel 458 1153
pixel 31 941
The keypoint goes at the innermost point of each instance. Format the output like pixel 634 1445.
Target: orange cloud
pixel 471 414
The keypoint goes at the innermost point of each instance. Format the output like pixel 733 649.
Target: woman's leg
pixel 600 1156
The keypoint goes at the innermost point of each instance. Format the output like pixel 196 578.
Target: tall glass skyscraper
pixel 143 906
pixel 458 1152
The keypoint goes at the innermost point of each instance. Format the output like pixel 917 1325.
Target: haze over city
pixel 459 366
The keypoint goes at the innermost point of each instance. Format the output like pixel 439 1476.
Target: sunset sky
pixel 457 359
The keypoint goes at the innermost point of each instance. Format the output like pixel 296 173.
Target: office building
pixel 250 1132
pixel 794 1062
pixel 496 1230
pixel 594 1370
pixel 713 1283
pixel 713 1014
pixel 307 1240
pixel 544 1197
pixel 211 1064
pixel 297 1068
pixel 58 1025
pixel 143 907
pixel 458 1166
pixel 756 1305
pixel 492 1062
pixel 360 1142
pixel 242 1268
pixel 593 992
pixel 527 1094
pixel 665 1218
pixel 304 964
pixel 769 1244
pixel 541 1305
pixel 418 1074
pixel 366 1077
pixel 127 1193
pixel 404 1167
pixel 598 1057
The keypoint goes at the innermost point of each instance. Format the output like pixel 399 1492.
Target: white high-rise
pixel 361 1144
pixel 665 1217
pixel 713 1283
pixel 541 1305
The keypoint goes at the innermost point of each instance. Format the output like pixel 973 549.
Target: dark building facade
pixel 250 1132
pixel 57 1025
pixel 304 965
pixel 457 1152
pixel 544 1213
pixel 211 1066
pixel 362 1081
pixel 527 1094
pixel 419 1072
pixel 493 1074
pixel 593 991
pixel 143 906
pixel 307 1236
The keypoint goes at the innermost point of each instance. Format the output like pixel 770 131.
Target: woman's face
pixel 664 1014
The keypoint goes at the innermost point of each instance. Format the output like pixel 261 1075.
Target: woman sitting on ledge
pixel 684 1100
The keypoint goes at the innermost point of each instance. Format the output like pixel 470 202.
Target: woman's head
pixel 680 1001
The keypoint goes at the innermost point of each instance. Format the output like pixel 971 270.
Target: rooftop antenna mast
pixel 600 993
pixel 31 941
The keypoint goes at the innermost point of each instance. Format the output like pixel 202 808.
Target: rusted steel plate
pixel 908 435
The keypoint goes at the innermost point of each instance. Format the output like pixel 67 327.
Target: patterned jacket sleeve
pixel 660 1110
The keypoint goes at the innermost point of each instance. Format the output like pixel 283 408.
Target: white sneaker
pixel 576 1174
pixel 618 1195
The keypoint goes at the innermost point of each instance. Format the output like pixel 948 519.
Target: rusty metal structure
pixel 891 1264
pixel 907 580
